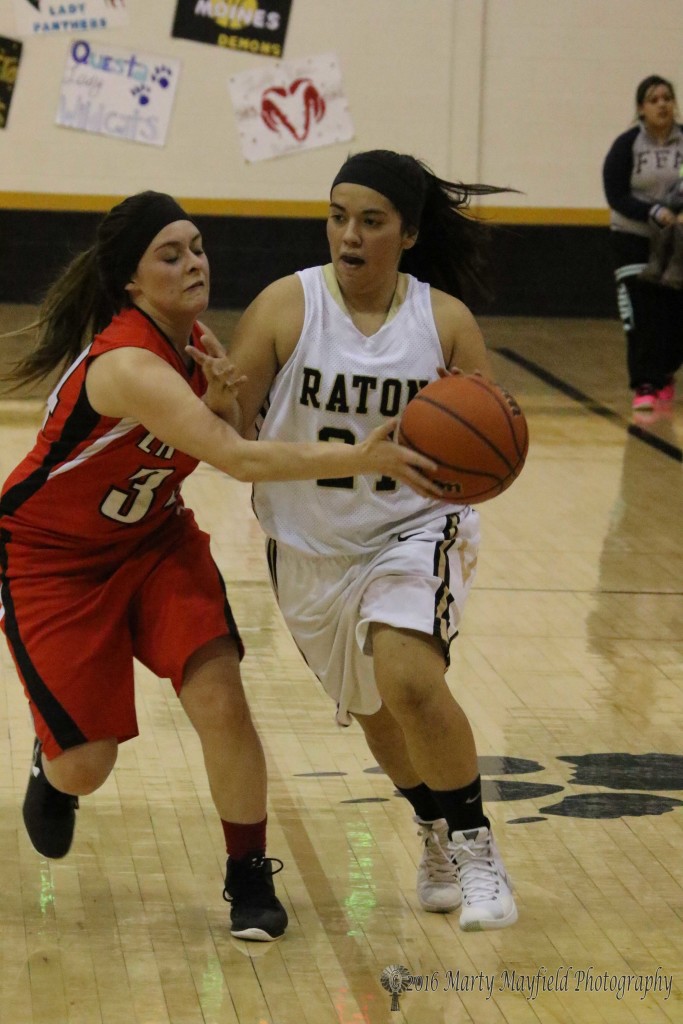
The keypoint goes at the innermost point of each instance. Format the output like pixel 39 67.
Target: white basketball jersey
pixel 337 386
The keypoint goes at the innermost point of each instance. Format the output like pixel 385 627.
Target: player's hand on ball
pixel 387 458
pixel 474 429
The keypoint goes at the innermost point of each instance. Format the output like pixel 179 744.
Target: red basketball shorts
pixel 75 623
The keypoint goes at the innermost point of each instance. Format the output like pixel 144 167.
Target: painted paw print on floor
pixel 627 778
pixel 632 772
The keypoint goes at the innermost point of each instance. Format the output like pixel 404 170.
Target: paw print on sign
pixel 141 94
pixel 162 76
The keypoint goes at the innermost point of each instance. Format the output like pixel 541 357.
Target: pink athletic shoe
pixel 668 392
pixel 644 398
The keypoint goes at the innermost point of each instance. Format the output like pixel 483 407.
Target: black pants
pixel 652 315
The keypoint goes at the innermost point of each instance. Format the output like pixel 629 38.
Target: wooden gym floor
pixel 570 666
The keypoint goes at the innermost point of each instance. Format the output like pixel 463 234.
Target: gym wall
pixel 522 93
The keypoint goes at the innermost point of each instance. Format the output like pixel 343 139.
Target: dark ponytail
pixel 74 308
pixel 451 248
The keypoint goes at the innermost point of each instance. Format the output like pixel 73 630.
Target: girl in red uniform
pixel 101 562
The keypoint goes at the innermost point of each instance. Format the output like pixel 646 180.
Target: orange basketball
pixel 473 429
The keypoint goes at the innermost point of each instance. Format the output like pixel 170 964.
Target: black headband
pixel 128 230
pixel 384 174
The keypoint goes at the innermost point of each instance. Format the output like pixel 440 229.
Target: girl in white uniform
pixel 346 553
pixel 371 577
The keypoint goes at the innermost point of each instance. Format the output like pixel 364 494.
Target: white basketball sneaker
pixel 486 889
pixel 438 888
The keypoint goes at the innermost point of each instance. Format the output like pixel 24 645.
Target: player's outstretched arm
pixel 135 384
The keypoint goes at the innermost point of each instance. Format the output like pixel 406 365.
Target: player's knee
pixel 229 708
pixel 212 692
pixel 223 707
pixel 83 769
pixel 410 697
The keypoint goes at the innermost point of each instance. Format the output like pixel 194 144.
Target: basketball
pixel 473 429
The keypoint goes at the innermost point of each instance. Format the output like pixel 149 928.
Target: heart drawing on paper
pixel 294 108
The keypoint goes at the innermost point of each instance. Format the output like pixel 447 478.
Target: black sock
pixel 422 801
pixel 462 808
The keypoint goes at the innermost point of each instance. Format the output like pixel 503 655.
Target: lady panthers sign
pixel 44 17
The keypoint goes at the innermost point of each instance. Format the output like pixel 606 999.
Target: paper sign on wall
pixel 10 55
pixel 118 92
pixel 290 106
pixel 40 17
pixel 251 26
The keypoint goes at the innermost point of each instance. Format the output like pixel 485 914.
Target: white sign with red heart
pixel 289 106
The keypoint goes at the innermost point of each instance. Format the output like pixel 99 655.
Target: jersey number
pixel 385 483
pixel 130 506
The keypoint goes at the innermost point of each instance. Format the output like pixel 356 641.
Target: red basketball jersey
pixel 91 481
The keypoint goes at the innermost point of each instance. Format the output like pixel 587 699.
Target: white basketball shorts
pixel 418 580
